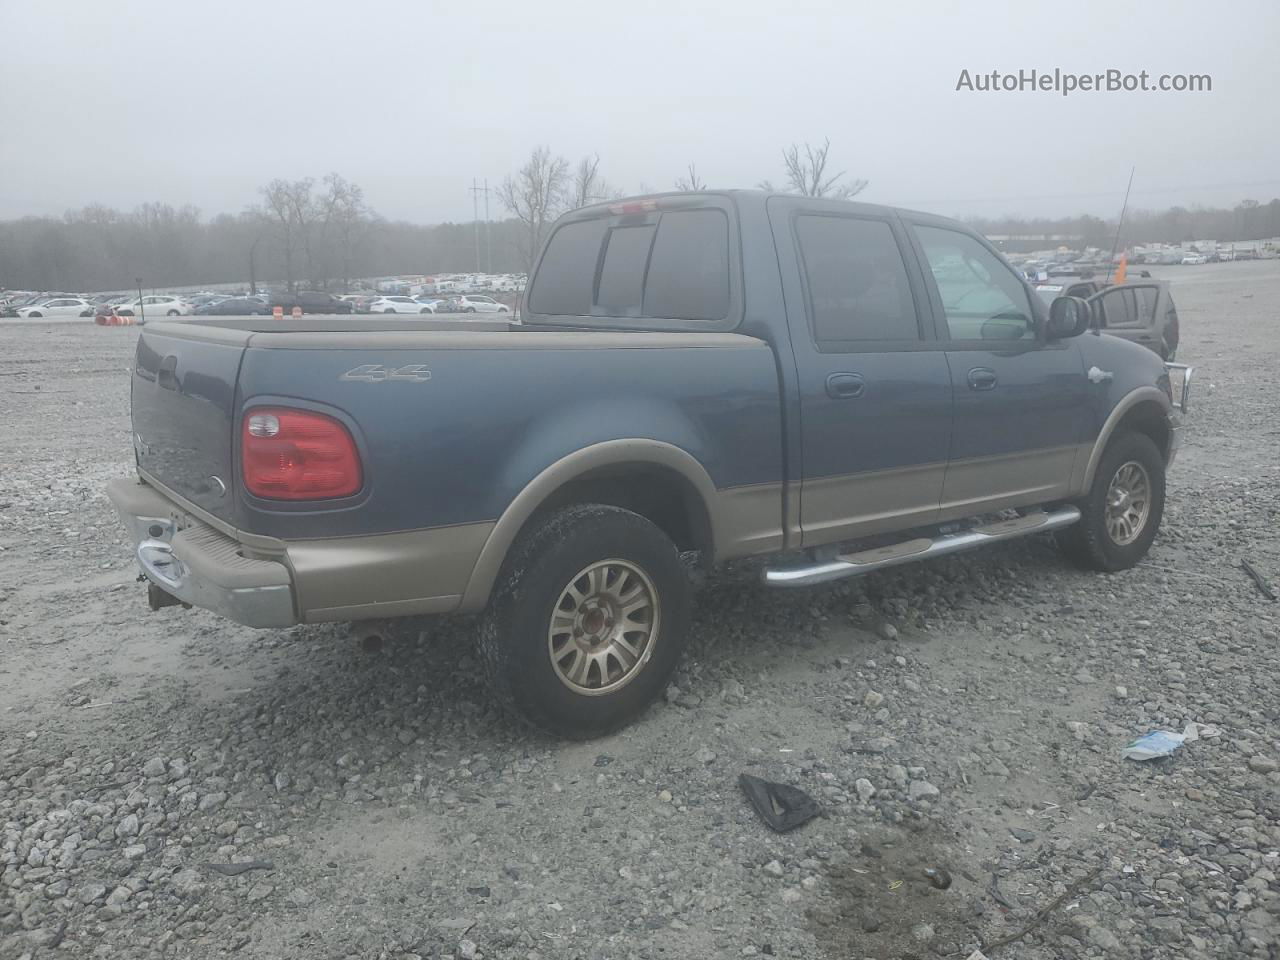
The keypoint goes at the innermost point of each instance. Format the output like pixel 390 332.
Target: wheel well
pixel 660 495
pixel 1149 418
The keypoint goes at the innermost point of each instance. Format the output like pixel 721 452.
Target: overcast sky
pixel 201 103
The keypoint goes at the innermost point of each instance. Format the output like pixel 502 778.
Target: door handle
pixel 846 386
pixel 982 378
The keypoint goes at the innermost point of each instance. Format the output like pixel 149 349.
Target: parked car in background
pixel 1194 259
pixel 156 305
pixel 1141 311
pixel 473 303
pixel 310 301
pixel 57 307
pixel 236 307
pixel 398 304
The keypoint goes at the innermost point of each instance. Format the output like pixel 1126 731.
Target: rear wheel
pixel 173 313
pixel 1121 513
pixel 587 620
pixel 426 310
pixel 389 310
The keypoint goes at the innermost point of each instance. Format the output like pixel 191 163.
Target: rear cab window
pixel 667 263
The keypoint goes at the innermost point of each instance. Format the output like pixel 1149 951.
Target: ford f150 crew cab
pixel 834 386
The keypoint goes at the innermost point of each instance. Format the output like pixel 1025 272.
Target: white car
pixel 57 307
pixel 476 304
pixel 399 305
pixel 1194 260
pixel 157 305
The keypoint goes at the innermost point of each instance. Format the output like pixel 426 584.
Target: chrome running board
pixel 878 558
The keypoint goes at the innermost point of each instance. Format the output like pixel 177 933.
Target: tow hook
pixel 158 598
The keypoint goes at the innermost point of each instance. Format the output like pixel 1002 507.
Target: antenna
pixel 1116 242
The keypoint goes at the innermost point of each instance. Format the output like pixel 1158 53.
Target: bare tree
pixel 344 220
pixel 291 210
pixel 588 186
pixel 691 182
pixel 534 196
pixel 807 174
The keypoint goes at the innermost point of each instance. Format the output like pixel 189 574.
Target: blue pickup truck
pixel 836 387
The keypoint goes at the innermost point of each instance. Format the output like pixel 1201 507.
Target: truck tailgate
pixel 184 412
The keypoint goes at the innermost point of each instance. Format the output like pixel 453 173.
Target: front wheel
pixel 587 620
pixel 173 313
pixel 1121 513
pixel 389 310
pixel 34 315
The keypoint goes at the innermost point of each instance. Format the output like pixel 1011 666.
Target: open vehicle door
pixel 1142 312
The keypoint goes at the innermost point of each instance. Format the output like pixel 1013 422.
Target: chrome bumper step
pixel 923 548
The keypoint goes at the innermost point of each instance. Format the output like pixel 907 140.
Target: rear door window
pixel 856 279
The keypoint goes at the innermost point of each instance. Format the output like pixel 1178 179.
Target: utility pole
pixel 475 218
pixel 476 191
pixel 488 230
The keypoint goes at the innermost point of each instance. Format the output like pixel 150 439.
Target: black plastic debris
pixel 780 806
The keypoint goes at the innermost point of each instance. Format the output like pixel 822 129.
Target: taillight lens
pixel 298 455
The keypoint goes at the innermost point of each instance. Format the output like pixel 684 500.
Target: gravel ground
pixel 965 715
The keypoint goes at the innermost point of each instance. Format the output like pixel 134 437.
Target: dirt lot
pixel 965 715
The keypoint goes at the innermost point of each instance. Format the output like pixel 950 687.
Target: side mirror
pixel 1068 317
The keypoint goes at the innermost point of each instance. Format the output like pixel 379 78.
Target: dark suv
pixel 311 301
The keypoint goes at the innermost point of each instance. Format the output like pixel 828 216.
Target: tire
pixel 469 310
pixel 388 310
pixel 426 310
pixel 34 315
pixel 173 313
pixel 1107 539
pixel 520 639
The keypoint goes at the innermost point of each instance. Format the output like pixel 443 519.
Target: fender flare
pixel 566 469
pixel 1118 412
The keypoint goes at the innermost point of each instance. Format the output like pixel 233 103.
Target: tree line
pixel 322 233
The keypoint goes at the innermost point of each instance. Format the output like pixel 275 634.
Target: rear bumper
pixel 200 565
pixel 277 583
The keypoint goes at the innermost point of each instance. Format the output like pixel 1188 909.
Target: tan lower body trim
pixel 749 520
pixel 390 574
pixel 834 509
pixel 863 504
pixel 1018 479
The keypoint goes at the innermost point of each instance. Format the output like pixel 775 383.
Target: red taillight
pixel 298 455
